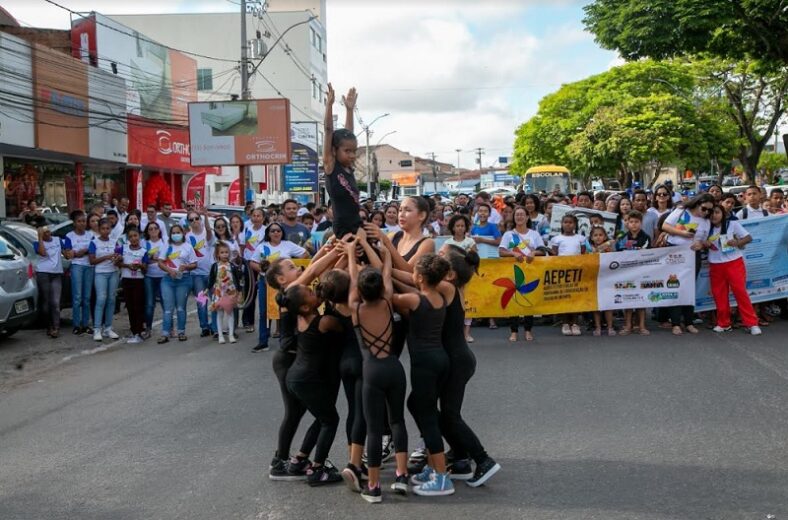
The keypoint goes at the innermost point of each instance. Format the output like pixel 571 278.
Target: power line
pixel 282 95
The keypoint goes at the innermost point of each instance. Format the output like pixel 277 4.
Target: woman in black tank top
pixel 429 365
pixel 383 376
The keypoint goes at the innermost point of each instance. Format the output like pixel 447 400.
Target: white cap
pixel 302 212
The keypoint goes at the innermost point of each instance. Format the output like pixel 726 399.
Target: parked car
pixel 225 211
pixel 22 236
pixel 18 291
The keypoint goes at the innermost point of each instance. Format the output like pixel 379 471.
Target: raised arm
pixel 328 132
pixel 350 105
pixel 388 287
pixel 317 268
pixel 353 297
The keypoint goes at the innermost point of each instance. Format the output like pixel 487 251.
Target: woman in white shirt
pixel 253 236
pixel 178 261
pixel 155 246
pixel 103 257
pixel 200 237
pixel 688 225
pixel 49 277
pixel 523 243
pixel 78 242
pixel 273 247
pixel 727 272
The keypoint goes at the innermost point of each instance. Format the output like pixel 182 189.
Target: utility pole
pixel 434 174
pixel 243 170
pixel 370 180
pixel 479 153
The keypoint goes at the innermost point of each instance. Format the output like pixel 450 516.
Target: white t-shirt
pixel 752 213
pixel 285 249
pixel 133 256
pixel 568 245
pixel 117 231
pixel 160 222
pixel 52 262
pixel 79 243
pixel 537 221
pixel 467 243
pixel 720 252
pixel 524 242
pixel 684 220
pixel 176 255
pixel 154 250
pixel 391 229
pixel 252 239
pixel 99 248
pixel 203 251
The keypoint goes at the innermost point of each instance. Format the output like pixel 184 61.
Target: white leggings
pixel 221 316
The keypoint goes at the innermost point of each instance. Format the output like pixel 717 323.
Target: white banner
pixel 583 219
pixel 660 277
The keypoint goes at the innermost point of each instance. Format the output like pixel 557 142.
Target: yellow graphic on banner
pixel 272 307
pixel 548 285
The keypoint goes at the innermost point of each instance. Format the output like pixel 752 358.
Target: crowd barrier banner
pixel 766 258
pixel 554 285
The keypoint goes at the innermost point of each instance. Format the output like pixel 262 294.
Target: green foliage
pixel 668 28
pixel 624 119
pixel 771 162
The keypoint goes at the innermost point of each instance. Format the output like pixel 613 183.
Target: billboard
pixel 240 132
pixel 160 81
pixel 107 115
pixel 300 175
pixel 16 106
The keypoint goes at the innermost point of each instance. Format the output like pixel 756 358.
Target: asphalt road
pixel 592 428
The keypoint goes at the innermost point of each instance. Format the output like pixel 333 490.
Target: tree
pixel 771 162
pixel 624 120
pixel 668 28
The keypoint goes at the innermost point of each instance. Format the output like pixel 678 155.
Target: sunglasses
pixel 706 209
pixel 662 194
pixel 195 219
pixel 275 231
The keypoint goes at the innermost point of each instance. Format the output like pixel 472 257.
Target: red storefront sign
pixel 195 190
pixel 159 146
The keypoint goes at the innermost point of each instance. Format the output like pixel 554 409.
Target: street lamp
pixel 372 188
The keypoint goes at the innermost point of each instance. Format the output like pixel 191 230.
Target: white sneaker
pixel 135 339
pixel 717 328
pixel 756 331
pixel 97 335
pixel 233 339
pixel 469 339
pixel 111 334
pixel 221 341
pixel 566 330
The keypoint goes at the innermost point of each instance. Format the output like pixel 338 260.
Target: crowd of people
pixel 381 283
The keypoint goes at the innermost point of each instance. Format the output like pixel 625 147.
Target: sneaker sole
pixel 399 488
pixel 351 480
pixel 323 483
pixel 484 478
pixel 287 478
pixel 371 499
pixel 443 493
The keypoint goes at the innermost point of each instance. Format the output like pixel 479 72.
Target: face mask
pixel 177 237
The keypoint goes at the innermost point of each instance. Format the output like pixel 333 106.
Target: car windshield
pixel 29 232
pixel 7 251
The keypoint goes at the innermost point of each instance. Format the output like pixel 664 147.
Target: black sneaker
pixel 298 468
pixel 279 471
pixel 388 449
pixel 373 496
pixel 400 485
pixel 416 467
pixel 76 331
pixel 204 333
pixel 87 330
pixel 325 474
pixel 483 472
pixel 461 470
pixel 352 477
pixel 449 457
pixel 261 348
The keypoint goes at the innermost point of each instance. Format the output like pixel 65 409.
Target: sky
pixel 457 74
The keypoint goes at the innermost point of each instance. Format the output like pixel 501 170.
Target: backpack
pixel 744 213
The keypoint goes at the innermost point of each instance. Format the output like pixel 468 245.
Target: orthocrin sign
pixel 159 146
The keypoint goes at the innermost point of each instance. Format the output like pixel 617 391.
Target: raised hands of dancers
pixel 349 100
pixel 330 95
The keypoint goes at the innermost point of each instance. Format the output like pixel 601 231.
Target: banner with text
pixel 607 219
pixel 766 258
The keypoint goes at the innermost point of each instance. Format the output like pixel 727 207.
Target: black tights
pixel 321 404
pixel 294 410
pixel 355 425
pixel 527 322
pixel 458 434
pixel 428 372
pixel 384 388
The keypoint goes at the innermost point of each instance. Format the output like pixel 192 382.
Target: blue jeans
pixel 152 290
pixel 174 293
pixel 262 330
pixel 81 283
pixel 200 283
pixel 106 290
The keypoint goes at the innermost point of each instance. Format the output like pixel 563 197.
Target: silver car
pixel 18 293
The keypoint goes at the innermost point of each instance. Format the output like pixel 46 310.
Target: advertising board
pixel 301 174
pixel 240 132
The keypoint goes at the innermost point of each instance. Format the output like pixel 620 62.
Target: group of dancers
pixel 357 340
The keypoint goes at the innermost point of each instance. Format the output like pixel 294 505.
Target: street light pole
pixel 371 182
pixel 242 170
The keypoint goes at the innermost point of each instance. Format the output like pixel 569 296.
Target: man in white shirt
pixel 484 197
pixel 150 216
pixel 752 209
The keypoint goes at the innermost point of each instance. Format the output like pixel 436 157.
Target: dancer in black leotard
pixel 462 365
pixel 384 378
pixel 307 378
pixel 281 274
pixel 429 365
pixel 334 288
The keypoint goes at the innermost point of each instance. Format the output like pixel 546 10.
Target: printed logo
pixel 675 258
pixel 626 285
pixel 654 296
pixel 614 265
pixel 652 284
pixel 167 146
pixel 673 282
pixel 516 288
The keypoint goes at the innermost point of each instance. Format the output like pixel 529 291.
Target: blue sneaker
pixel 439 485
pixel 423 477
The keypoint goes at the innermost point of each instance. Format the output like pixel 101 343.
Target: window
pixel 315 39
pixel 314 90
pixel 204 79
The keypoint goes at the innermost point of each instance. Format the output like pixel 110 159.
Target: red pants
pixel 727 277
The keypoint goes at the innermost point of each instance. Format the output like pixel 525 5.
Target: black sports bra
pixel 380 345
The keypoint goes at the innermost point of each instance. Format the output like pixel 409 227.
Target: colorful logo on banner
pixel 516 287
